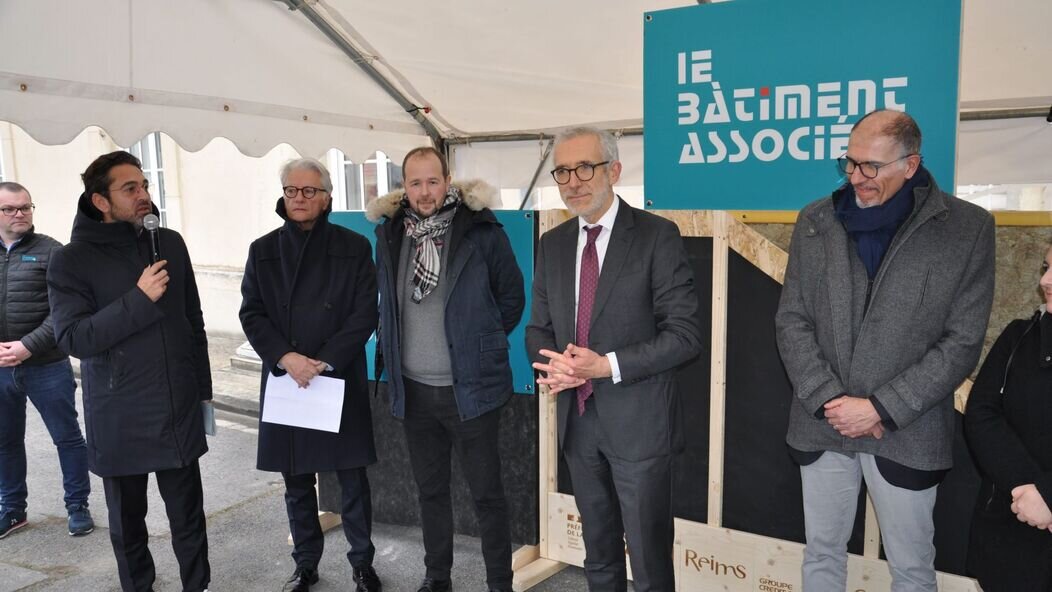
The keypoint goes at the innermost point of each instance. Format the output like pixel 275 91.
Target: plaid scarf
pixel 426 232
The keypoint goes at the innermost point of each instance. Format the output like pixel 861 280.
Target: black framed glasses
pixel 869 170
pixel 10 210
pixel 308 192
pixel 584 171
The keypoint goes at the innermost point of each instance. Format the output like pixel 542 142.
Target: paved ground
pixel 247 527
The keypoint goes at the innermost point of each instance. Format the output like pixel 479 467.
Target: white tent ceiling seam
pixel 23 100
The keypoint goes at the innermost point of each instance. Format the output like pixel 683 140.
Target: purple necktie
pixel 585 300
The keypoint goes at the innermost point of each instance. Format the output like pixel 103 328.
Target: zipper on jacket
pixel 869 294
pixel 3 299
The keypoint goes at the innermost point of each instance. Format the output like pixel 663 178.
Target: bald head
pixel 890 141
pixel 896 125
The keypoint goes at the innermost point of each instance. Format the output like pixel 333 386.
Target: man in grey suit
pixel 614 314
pixel 886 300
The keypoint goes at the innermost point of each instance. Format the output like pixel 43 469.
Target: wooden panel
pixel 710 558
pixel 698 223
pixel 758 250
pixel 1001 217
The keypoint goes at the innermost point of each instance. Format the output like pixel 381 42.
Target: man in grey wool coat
pixel 886 300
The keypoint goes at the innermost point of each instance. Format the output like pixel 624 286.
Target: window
pixel 148 150
pixel 356 185
pixel 3 176
pixel 1013 196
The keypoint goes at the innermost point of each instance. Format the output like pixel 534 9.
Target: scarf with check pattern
pixel 426 234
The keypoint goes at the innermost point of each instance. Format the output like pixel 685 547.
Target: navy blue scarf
pixel 871 229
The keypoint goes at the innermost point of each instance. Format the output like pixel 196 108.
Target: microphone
pixel 151 223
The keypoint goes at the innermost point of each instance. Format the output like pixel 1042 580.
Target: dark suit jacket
pixel 645 310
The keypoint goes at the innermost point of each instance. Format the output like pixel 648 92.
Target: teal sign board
pixel 520 229
pixel 748 103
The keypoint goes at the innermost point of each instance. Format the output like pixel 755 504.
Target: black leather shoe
pixel 366 580
pixel 302 579
pixel 432 585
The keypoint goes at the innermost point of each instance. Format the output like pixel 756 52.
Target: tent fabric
pixel 259 74
pixel 248 70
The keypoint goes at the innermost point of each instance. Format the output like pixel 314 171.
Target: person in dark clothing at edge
pixel 1007 424
pixel 138 330
pixel 308 308
pixel 450 292
pixel 33 368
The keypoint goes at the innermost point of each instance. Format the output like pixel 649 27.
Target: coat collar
pixel 476 194
pixel 929 202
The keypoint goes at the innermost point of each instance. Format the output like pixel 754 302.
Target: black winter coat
pixel 24 314
pixel 144 365
pixel 315 294
pixel 1010 435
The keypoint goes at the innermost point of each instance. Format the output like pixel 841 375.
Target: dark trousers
pixel 50 388
pixel 184 503
pixel 620 501
pixel 356 512
pixel 432 427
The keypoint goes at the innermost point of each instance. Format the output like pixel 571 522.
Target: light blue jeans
pixel 831 486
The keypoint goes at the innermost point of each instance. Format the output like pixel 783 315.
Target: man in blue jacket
pixel 450 292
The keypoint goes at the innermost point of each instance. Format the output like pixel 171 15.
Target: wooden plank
pixel 524 556
pixel 694 223
pixel 960 396
pixel 547 426
pixel 548 459
pixel 718 381
pixel 711 558
pixel 1001 217
pixel 871 540
pixel 328 520
pixel 535 573
pixel 757 249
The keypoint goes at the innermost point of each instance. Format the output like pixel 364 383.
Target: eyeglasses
pixel 132 188
pixel 584 172
pixel 869 170
pixel 10 210
pixel 290 191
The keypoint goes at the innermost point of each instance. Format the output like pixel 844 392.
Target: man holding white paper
pixel 309 307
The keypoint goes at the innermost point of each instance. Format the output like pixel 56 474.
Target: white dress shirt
pixel 601 243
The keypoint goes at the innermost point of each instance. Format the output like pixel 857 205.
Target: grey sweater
pixel 425 357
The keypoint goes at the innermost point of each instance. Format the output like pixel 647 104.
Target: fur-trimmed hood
pixel 475 193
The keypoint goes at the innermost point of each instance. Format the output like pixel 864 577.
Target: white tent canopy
pixel 259 74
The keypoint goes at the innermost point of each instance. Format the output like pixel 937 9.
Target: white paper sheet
pixel 318 407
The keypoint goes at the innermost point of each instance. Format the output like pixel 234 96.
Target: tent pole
pixel 537 173
pixel 366 65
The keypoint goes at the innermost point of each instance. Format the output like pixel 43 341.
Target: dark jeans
pixel 50 387
pixel 183 502
pixel 433 426
pixel 301 503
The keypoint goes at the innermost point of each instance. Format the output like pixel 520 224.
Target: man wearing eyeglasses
pixel 613 315
pixel 450 292
pixel 33 368
pixel 138 330
pixel 885 304
pixel 308 309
